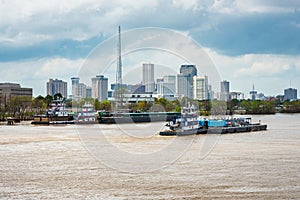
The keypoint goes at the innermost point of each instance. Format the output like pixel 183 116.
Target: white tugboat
pixel 88 115
pixel 187 124
pixel 57 114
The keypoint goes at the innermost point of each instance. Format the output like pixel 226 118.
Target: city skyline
pixel 249 42
pixel 185 83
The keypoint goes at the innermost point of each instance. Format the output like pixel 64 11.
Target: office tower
pixel 237 95
pixel 211 93
pixel 200 86
pixel 253 94
pixel 166 87
pixel 88 92
pixel 81 91
pixel 183 86
pixel 100 87
pixel 290 94
pixel 55 86
pixel 136 88
pixel 148 77
pixel 185 80
pixel 8 90
pixel 224 95
pixel 188 70
pixel 75 83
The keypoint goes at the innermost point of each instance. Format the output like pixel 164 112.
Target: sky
pixel 250 42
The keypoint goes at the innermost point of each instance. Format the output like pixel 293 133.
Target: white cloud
pixel 270 73
pixel 79 20
pixel 254 6
pixel 266 68
pixel 186 4
pixel 26 22
pixel 58 67
pixel 223 6
pixel 35 73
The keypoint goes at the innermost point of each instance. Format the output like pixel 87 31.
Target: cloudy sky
pixel 250 42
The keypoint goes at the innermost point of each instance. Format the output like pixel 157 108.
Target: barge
pixel 236 125
pixel 130 117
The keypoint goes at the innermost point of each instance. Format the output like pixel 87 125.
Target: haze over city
pixel 254 42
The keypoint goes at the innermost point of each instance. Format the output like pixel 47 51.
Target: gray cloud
pixel 232 27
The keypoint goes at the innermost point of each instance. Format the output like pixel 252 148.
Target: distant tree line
pixel 25 108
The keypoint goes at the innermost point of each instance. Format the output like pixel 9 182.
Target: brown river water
pixel 133 162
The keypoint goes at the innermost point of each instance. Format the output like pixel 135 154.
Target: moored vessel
pixel 56 114
pixel 135 117
pixel 87 115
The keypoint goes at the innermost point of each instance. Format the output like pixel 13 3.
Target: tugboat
pixel 87 116
pixel 187 124
pixel 55 115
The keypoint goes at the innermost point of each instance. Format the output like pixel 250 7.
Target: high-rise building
pixel 253 94
pixel 81 91
pixel 8 90
pixel 200 86
pixel 211 94
pixel 136 88
pixel 188 70
pixel 55 86
pixel 166 88
pixel 185 80
pixel 148 77
pixel 225 91
pixel 290 94
pixel 75 83
pixel 183 86
pixel 237 95
pixel 100 87
pixel 88 92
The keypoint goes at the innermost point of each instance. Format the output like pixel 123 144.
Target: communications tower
pixel 119 90
pixel 119 63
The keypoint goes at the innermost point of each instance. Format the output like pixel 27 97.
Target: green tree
pixel 48 100
pixel 232 104
pixel 105 105
pixel 39 104
pixel 176 106
pixel 97 104
pixel 143 106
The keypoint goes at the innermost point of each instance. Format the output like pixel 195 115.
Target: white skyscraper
pixel 55 86
pixel 75 83
pixel 81 91
pixel 148 77
pixel 185 80
pixel 225 90
pixel 200 87
pixel 167 87
pixel 100 87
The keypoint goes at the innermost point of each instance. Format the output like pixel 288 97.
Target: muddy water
pixel 133 162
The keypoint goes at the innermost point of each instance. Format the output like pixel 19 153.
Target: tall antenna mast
pixel 118 87
pixel 119 64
